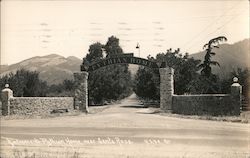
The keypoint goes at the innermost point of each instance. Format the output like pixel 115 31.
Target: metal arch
pixel 120 59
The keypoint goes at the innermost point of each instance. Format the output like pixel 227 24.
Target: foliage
pixel 206 65
pixel 64 89
pixel 147 80
pixel 187 78
pixel 205 85
pixel 25 83
pixel 146 83
pixel 185 69
pixel 112 46
pixel 95 52
pixel 112 82
pixel 208 82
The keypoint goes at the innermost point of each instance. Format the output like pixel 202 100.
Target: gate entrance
pixel 119 59
pixel 166 78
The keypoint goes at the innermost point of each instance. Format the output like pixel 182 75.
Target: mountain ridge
pixel 52 68
pixel 229 56
pixel 55 68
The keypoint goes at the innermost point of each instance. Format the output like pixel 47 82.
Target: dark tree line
pixel 26 83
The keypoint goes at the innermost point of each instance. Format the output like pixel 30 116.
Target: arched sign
pixel 120 59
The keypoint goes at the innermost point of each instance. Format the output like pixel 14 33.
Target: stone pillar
pixel 236 91
pixel 6 95
pixel 81 91
pixel 166 88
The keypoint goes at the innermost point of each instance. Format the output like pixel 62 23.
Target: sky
pixel 37 28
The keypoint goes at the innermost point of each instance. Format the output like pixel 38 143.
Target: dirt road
pixel 124 130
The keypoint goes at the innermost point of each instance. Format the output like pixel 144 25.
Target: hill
pixel 229 56
pixel 55 68
pixel 52 68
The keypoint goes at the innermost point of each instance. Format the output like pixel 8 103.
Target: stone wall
pixel 39 105
pixel 214 104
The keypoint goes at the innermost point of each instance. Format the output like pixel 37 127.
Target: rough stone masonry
pixel 166 88
pixel 81 92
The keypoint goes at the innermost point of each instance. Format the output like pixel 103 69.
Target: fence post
pixel 236 90
pixel 166 88
pixel 6 94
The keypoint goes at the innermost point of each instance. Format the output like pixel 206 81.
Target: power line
pixel 230 20
pixel 213 22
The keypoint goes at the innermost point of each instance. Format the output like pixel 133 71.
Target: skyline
pixel 67 28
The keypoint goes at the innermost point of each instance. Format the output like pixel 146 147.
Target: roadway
pixel 124 130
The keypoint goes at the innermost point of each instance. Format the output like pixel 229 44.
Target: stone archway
pixel 166 79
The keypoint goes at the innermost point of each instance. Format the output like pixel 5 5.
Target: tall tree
pixel 207 82
pixel 111 82
pixel 112 46
pixel 206 65
pixel 95 52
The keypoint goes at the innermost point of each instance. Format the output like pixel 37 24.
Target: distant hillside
pixel 230 57
pixel 53 68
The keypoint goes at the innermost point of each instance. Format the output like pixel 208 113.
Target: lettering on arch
pixel 119 60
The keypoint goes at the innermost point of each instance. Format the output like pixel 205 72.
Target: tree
pixel 68 85
pixel 206 65
pixel 108 83
pixel 25 83
pixel 95 52
pixel 147 81
pixel 208 82
pixel 112 46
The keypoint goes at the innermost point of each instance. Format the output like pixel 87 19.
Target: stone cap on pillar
pixel 235 82
pixel 236 88
pixel 7 90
